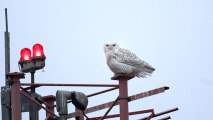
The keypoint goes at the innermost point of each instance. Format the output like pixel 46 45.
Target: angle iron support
pixel 15 94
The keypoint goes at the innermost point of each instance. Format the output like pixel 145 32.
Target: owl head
pixel 110 47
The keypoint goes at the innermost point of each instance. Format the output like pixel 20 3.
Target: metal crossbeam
pixel 131 98
pixel 76 85
pixel 161 113
pixel 37 103
pixel 118 115
pixel 110 108
pixel 165 118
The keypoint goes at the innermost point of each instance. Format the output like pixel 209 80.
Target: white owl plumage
pixel 123 62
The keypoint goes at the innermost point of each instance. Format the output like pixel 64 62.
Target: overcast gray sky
pixel 174 36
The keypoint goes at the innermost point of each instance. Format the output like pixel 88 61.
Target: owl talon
pixel 115 76
pixel 121 78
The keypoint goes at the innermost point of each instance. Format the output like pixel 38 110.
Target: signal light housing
pixel 28 63
pixel 79 100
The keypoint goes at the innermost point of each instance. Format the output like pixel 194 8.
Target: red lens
pixel 25 54
pixel 38 50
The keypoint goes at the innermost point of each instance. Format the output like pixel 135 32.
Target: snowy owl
pixel 123 62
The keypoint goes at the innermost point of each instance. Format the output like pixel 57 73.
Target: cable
pixel 85 115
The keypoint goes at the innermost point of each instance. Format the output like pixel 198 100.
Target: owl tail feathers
pixel 142 74
pixel 148 69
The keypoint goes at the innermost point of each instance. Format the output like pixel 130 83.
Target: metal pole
pixel 33 111
pixel 32 81
pixel 16 103
pixel 81 116
pixel 123 99
pixel 15 94
pixel 7 47
pixel 5 91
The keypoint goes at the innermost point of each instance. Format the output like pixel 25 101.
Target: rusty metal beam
pixel 148 93
pixel 165 118
pixel 15 94
pixel 28 88
pixel 76 85
pixel 42 101
pixel 94 94
pixel 110 108
pixel 152 115
pixel 102 92
pixel 165 112
pixel 161 113
pixel 118 115
pixel 16 103
pixel 131 98
pixel 123 99
pixel 38 104
pixel 49 100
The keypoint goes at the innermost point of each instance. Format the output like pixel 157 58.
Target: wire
pixel 85 115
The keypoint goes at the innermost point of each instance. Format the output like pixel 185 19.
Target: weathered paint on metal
pixel 38 104
pixel 123 99
pixel 110 108
pixel 15 94
pixel 161 113
pixel 151 111
pixel 81 85
pixel 165 118
pixel 131 98
pixel 49 102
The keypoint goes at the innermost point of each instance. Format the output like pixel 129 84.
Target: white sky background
pixel 174 36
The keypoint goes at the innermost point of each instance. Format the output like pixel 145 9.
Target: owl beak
pixel 110 48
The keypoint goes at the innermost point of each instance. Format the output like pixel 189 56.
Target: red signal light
pixel 38 50
pixel 30 63
pixel 25 54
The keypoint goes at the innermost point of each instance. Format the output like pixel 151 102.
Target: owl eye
pixel 107 45
pixel 113 45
